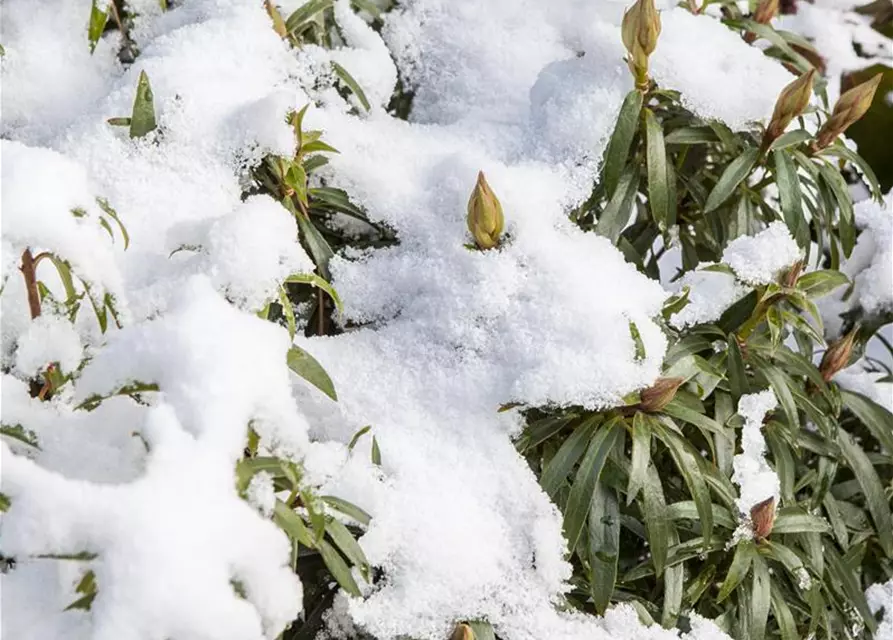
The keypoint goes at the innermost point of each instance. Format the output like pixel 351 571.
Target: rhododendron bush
pixel 431 319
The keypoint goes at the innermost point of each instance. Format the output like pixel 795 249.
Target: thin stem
pixel 28 270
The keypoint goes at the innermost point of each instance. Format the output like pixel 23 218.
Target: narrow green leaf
pixel 356 437
pixel 641 455
pixel 738 570
pixel 559 467
pixel 288 311
pixel 847 581
pixel 316 281
pixel 674 585
pixel 734 174
pixel 305 12
pixel 142 120
pixel 875 417
pixel 637 341
pixel 617 212
pixel 796 520
pixel 292 524
pixel 779 383
pixel 816 284
pixel 376 452
pixel 783 616
pixel 790 139
pixel 306 366
pixel 656 152
pixel 98 18
pixel 691 135
pixel 581 494
pixel 842 151
pixel 349 509
pixel 618 147
pixel 840 191
pixel 338 568
pixel 348 545
pixel 317 245
pixel 760 598
pixel 604 545
pixel 735 371
pixel 789 191
pixel 352 84
pixel 872 488
pixel 660 529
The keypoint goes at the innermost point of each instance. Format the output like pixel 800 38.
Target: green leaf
pixel 816 284
pixel 338 568
pixel 674 588
pixel 785 556
pixel 376 452
pixel 617 212
pixel 19 433
pixel 604 545
pixel 306 366
pixel 688 510
pixel 348 545
pixel 107 208
pixel 306 12
pixel 708 425
pixel 734 174
pixel 689 465
pixel 316 281
pixel 541 430
pixel 790 139
pixel 779 383
pixel 559 467
pixel 738 570
pixel 760 598
pixel 660 529
pixel 98 18
pixel 618 147
pixel 317 245
pixel 872 488
pixel 356 437
pixel 581 493
pixel 349 509
pixel 783 616
pixel 735 371
pixel 789 191
pixel 658 191
pixel 841 151
pixel 691 135
pixel 142 120
pixel 637 341
pixel 796 520
pixel 292 524
pixel 875 417
pixel 641 455
pixel 352 84
pixel 840 191
pixel 847 581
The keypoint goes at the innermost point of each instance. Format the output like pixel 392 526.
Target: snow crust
pixel 751 472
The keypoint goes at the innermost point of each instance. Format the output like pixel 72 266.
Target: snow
pixel 760 259
pixel 710 294
pixel 436 336
pixel 880 597
pixel 751 472
pixel 261 493
pixel 870 267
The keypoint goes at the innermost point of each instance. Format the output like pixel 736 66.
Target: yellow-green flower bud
pixel 463 632
pixel 640 30
pixel 837 356
pixel 485 219
pixel 659 395
pixel 850 107
pixel 791 102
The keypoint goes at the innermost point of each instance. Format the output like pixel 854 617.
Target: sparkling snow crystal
pixel 761 258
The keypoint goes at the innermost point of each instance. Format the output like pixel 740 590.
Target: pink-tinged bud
pixel 657 396
pixel 837 356
pixel 640 30
pixel 485 219
pixel 792 101
pixel 851 106
pixel 762 517
pixel 793 274
pixel 766 10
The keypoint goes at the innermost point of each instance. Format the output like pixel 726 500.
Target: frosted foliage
pixel 880 598
pixel 756 479
pixel 870 384
pixel 760 259
pixel 870 267
pixel 436 337
pixel 261 493
pixel 710 293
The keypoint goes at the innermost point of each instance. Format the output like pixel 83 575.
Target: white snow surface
pixel 460 526
pixel 880 598
pixel 761 258
pixel 751 472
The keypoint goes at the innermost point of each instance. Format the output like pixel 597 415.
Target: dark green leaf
pixel 790 139
pixel 338 568
pixel 759 598
pixel 348 509
pixel 816 284
pixel 621 139
pixel 348 545
pixel 98 18
pixel 796 520
pixel 604 545
pixel 142 120
pixel 641 455
pixel 872 488
pixel 656 152
pixel 738 570
pixel 734 174
pixel 789 192
pixel 617 212
pixel 875 417
pixel 840 191
pixel 306 12
pixel 691 135
pixel 352 84
pixel 559 467
pixel 661 532
pixel 735 372
pixel 783 616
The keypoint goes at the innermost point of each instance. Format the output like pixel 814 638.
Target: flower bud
pixel 762 518
pixel 485 218
pixel 659 395
pixel 640 30
pixel 793 274
pixel 837 356
pixel 851 106
pixel 791 102
pixel 463 632
pixel 766 10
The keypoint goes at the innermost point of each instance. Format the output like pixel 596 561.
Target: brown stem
pixel 28 270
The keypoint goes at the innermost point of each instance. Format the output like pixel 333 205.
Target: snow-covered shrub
pixel 202 175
